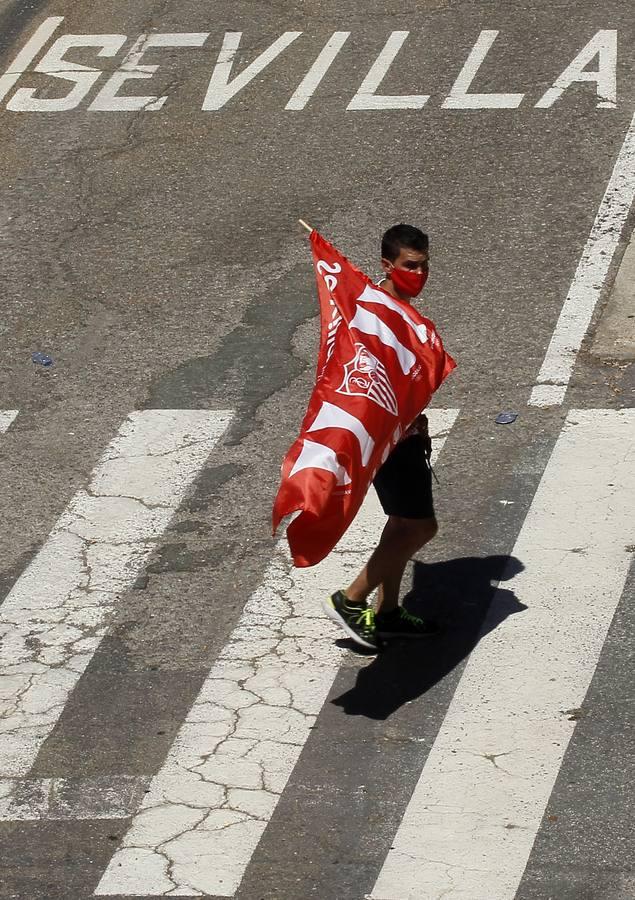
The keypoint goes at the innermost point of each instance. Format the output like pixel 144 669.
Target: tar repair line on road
pixel 210 803
pixel 54 618
pixel 475 812
pixel 588 281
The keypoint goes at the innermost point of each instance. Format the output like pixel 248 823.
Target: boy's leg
pixel 404 487
pixel 400 540
pixel 388 592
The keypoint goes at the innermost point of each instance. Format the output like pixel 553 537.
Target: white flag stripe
pixel 473 817
pixel 318 456
pixel 372 295
pixel 381 391
pixel 368 323
pixel 331 416
pixel 588 281
pixel 7 418
pixel 210 803
pixel 53 619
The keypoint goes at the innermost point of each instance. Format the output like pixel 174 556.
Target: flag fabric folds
pixel 379 362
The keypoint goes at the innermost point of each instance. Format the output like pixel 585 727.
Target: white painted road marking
pixel 109 99
pixel 54 618
pixel 318 70
pixel 588 281
pixel 604 46
pixel 222 88
pixel 210 803
pixel 28 53
pixel 459 98
pixel 473 817
pixel 7 417
pixel 55 65
pixel 367 97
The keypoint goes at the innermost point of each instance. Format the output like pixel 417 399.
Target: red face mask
pixel 408 283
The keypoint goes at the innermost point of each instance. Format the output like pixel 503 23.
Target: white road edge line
pixel 54 618
pixel 588 281
pixel 209 805
pixel 7 418
pixel 28 53
pixel 473 817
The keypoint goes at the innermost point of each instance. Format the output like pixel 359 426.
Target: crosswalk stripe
pixel 54 618
pixel 589 279
pixel 7 417
pixel 472 820
pixel 209 805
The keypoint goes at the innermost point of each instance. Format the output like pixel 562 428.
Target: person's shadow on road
pixel 458 594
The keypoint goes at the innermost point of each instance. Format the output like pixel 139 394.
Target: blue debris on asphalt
pixel 42 359
pixel 506 418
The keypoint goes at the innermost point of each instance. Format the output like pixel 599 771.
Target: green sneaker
pixel 357 621
pixel 401 624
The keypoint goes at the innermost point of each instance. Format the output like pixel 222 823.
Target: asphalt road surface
pixel 178 719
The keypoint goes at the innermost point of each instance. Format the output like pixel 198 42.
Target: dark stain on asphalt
pixel 209 486
pixel 252 363
pixel 189 527
pixel 179 558
pixel 13 20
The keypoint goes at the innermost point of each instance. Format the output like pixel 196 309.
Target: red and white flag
pixel 379 363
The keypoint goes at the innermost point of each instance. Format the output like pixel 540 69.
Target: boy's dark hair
pixel 400 236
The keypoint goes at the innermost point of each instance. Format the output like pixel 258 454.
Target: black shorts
pixel 404 482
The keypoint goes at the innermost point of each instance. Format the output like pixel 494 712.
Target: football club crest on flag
pixel 366 375
pixel 379 362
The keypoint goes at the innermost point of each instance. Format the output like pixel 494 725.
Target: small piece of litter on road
pixel 506 418
pixel 42 359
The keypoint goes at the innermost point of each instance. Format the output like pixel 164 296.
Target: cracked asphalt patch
pixel 56 614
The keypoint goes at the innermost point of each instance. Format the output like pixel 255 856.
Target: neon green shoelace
pixel 367 619
pixel 413 620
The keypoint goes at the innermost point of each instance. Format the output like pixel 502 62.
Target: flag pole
pixel 304 225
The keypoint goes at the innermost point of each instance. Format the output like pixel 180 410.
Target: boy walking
pixel 403 485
